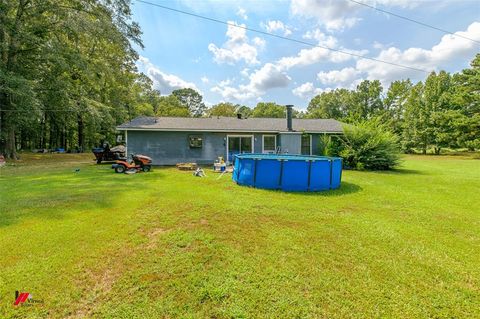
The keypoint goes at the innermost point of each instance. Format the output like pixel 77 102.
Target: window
pixel 269 143
pixel 195 141
pixel 306 144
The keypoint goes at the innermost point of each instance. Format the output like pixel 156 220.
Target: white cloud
pixel 307 90
pixel 242 13
pixel 259 42
pixel 338 15
pixel 377 45
pixel 450 48
pixel 273 26
pixel 204 79
pixel 333 14
pixel 338 77
pixel 244 72
pixel 316 55
pixel 267 77
pixel 319 54
pixel 162 81
pixel 321 38
pixel 225 83
pixel 237 47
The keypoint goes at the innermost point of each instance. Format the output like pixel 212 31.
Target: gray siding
pixel 170 148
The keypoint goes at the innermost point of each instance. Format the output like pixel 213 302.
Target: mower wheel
pixel 147 168
pixel 120 169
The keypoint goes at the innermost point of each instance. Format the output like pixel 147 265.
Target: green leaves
pixel 192 100
pixel 268 109
pixel 67 72
pixel 369 145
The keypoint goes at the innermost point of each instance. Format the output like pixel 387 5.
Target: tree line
pixel 68 78
pixel 441 112
pixel 67 72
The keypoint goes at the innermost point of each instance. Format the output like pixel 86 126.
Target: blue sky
pixel 230 64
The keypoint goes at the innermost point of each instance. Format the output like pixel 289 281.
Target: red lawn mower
pixel 139 163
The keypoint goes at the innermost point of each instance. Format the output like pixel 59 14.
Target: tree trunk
pixel 64 138
pixel 81 138
pixel 9 60
pixel 10 147
pixel 43 133
pixel 437 150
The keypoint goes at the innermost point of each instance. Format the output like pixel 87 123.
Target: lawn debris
pixel 187 166
pixel 199 173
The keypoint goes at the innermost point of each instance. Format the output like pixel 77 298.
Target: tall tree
pixel 394 103
pixel 268 109
pixel 416 121
pixel 437 96
pixel 367 101
pixel 330 105
pixel 467 88
pixel 223 109
pixel 245 111
pixel 66 68
pixel 171 106
pixel 192 100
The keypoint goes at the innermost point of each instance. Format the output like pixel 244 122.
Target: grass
pixel 399 244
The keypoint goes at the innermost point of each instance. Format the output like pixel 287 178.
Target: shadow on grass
pixel 345 189
pixel 57 194
pixel 402 171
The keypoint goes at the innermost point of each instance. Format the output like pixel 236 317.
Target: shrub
pixel 369 145
pixel 329 145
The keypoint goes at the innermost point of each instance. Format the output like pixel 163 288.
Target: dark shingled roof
pixel 231 124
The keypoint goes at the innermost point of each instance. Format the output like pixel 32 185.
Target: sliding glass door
pixel 238 145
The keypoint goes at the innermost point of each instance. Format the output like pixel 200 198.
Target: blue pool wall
pixel 295 173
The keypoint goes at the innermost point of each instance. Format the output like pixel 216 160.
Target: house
pixel 171 140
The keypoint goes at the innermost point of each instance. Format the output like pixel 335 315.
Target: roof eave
pixel 223 131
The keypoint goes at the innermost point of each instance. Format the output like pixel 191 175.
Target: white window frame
pixel 235 135
pixel 310 144
pixel 263 143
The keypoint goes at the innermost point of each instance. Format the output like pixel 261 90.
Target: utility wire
pixel 414 21
pixel 282 37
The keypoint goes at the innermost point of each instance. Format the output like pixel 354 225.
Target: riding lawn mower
pixel 139 163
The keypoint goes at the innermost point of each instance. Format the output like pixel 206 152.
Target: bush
pixel 329 145
pixel 369 145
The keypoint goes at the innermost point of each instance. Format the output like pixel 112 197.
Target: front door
pixel 238 145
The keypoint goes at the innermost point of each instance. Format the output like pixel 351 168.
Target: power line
pixel 414 21
pixel 282 37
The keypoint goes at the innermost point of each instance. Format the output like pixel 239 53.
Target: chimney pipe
pixel 289 117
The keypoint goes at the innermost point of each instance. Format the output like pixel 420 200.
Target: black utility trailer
pixel 107 154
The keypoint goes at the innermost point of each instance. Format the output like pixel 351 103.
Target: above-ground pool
pixel 298 173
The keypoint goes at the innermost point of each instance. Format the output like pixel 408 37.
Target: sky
pixel 229 64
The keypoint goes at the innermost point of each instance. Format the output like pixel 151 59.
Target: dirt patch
pixel 153 236
pixel 103 284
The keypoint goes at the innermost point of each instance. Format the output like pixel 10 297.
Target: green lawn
pixel 401 244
